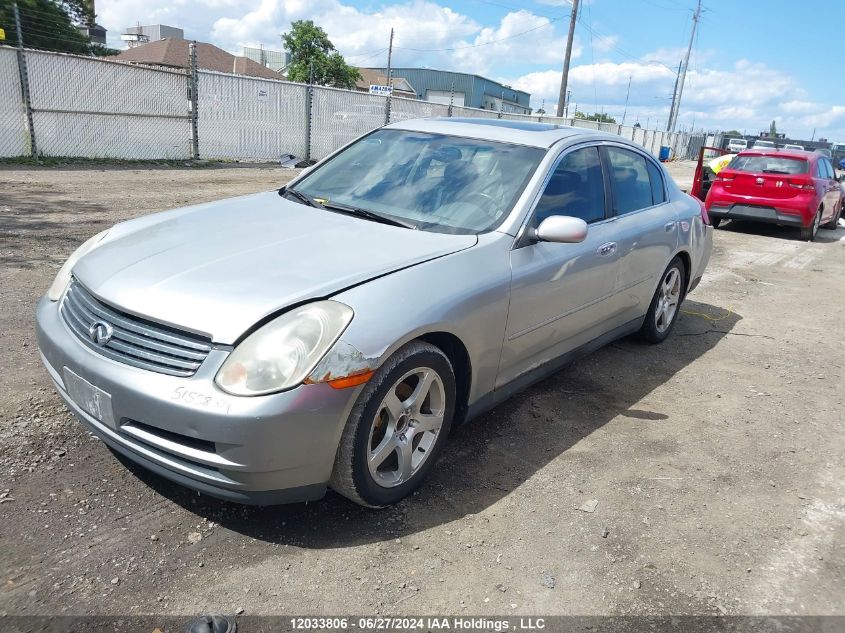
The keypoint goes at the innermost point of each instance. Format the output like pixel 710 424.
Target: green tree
pixel 773 130
pixel 51 25
pixel 314 56
pixel 601 117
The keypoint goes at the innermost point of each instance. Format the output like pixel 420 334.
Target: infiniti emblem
pixel 100 332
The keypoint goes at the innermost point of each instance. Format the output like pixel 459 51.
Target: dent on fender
pixel 343 361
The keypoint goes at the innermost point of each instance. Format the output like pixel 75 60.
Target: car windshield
pixel 435 182
pixel 769 164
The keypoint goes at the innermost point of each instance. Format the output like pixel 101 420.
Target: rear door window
pixel 576 188
pixel 658 193
pixel 630 181
pixel 827 167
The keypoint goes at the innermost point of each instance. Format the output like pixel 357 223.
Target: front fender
pixel 465 294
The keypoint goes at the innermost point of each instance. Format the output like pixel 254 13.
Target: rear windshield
pixel 769 165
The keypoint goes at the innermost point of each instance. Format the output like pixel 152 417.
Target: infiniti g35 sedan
pixel 262 348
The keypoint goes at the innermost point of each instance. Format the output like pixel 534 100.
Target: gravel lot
pixel 715 459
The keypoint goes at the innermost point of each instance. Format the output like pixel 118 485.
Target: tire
pixel 716 222
pixel 808 233
pixel 373 476
pixel 834 221
pixel 665 304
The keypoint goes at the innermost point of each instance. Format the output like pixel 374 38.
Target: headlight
pixel 63 278
pixel 281 354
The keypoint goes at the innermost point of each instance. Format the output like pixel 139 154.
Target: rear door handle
pixel 669 226
pixel 607 249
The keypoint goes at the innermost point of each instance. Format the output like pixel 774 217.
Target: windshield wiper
pixel 304 198
pixel 369 215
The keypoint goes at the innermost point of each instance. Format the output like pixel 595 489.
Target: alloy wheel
pixel 406 427
pixel 667 300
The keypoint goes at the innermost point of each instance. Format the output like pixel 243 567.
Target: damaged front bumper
pixel 261 450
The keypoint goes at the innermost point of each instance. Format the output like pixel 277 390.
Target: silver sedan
pixel 262 348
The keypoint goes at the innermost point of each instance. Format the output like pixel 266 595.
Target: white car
pixel 791 146
pixel 736 145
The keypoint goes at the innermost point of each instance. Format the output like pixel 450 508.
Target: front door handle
pixel 669 226
pixel 607 249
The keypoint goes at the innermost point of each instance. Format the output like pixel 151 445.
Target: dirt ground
pixel 715 459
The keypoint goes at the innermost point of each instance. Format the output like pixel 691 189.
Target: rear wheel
pixel 808 233
pixel 397 428
pixel 665 305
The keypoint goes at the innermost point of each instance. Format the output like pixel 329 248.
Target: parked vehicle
pixel 824 152
pixel 758 144
pixel 791 146
pixel 787 187
pixel 261 348
pixel 736 145
pixel 842 164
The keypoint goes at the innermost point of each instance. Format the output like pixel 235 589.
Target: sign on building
pixel 383 91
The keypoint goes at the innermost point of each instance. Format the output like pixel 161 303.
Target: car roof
pixel 777 151
pixel 531 133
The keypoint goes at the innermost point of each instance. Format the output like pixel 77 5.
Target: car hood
pixel 219 268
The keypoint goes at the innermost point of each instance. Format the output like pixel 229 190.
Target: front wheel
pixel 665 305
pixel 808 233
pixel 397 427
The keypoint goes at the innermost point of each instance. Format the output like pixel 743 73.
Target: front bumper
pixel 755 213
pixel 262 450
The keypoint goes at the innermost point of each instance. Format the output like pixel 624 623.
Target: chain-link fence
pixel 96 108
pixel 14 135
pixel 91 107
pixel 246 118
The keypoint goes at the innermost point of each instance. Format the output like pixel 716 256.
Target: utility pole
pixel 389 60
pixel 24 76
pixel 565 77
pixel 674 119
pixel 674 96
pixel 627 94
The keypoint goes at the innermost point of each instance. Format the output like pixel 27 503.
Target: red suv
pixel 789 187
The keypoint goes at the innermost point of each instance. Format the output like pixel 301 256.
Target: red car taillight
pixel 804 185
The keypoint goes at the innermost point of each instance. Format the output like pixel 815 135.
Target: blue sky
pixel 753 60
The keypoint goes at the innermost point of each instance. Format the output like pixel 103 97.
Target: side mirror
pixel 562 229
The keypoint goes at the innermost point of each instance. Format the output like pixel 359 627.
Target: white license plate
pixel 91 399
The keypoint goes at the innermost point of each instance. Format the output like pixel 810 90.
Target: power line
pixel 459 48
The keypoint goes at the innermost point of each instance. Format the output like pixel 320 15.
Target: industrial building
pixel 274 60
pixel 461 89
pixel 143 34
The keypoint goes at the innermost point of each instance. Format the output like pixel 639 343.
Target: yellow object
pixel 720 162
pixel 2 35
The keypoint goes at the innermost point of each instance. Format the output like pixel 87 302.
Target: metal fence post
pixel 193 93
pixel 309 96
pixel 24 76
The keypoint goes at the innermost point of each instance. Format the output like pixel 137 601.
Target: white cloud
pixel 745 95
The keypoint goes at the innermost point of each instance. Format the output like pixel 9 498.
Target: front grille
pixel 134 341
